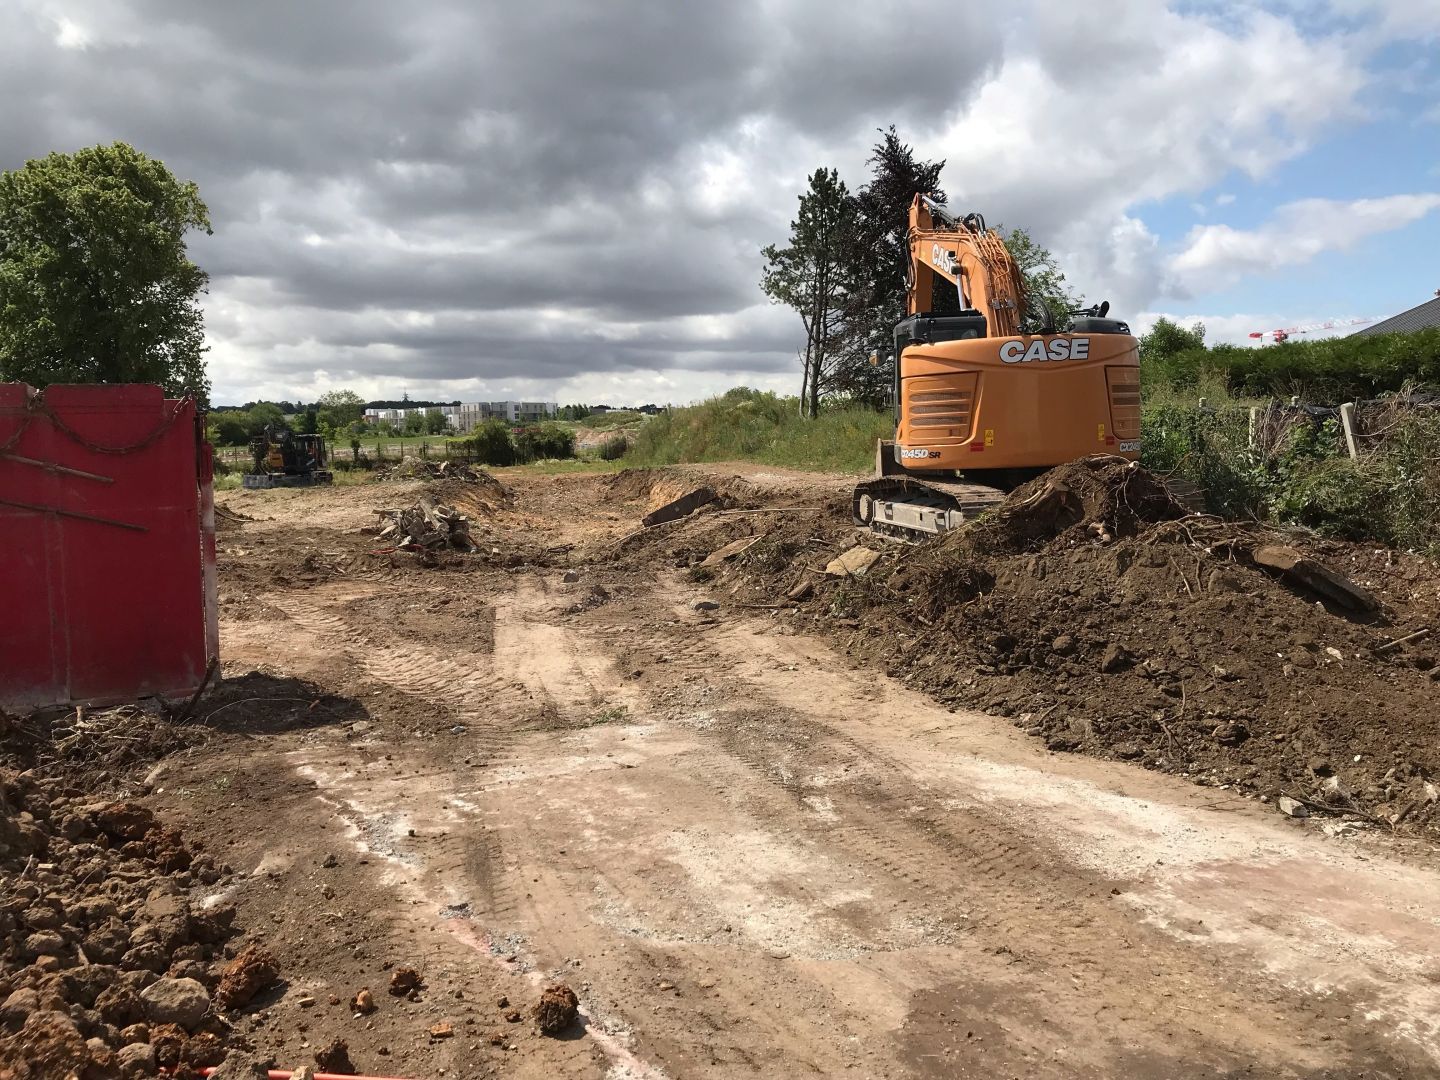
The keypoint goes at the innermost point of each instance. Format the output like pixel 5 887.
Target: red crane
pixel 1284 333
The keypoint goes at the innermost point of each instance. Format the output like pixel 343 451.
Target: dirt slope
pixel 1108 622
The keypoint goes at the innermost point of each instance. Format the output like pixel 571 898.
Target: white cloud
pixel 1215 256
pixel 1091 116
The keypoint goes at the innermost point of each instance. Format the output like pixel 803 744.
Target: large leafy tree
pixel 96 284
pixel 813 275
pixel 338 409
pixel 1048 296
pixel 879 251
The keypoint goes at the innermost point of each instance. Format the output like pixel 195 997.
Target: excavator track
pixel 914 507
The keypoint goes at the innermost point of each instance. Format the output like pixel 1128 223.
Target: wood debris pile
pixel 420 469
pixel 427 526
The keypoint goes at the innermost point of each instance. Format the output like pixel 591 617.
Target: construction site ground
pixel 761 836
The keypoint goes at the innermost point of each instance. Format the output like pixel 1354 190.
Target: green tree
pixel 1167 339
pixel 338 409
pixel 414 422
pixel 435 422
pixel 1049 298
pixel 812 276
pixel 879 254
pixel 492 443
pixel 1175 355
pixel 266 414
pixel 96 284
pixel 231 427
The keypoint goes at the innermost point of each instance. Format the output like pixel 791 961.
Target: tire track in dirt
pixel 469 692
pixel 1028 900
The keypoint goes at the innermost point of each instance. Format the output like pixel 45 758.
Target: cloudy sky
pixel 564 199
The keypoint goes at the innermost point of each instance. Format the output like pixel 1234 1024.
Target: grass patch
pixel 748 425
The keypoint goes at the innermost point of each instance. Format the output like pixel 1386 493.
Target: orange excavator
pixel 980 407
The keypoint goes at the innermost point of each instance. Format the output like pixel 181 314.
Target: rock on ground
pixel 556 1010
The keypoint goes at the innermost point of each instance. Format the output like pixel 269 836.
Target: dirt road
pixel 746 857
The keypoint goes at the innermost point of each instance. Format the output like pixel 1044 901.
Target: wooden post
pixel 1254 424
pixel 1347 421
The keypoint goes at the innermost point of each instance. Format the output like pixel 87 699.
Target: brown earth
pixel 770 837
pixel 1109 622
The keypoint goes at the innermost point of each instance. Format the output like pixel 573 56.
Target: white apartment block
pixel 464 418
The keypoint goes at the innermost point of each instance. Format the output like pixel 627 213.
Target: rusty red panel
pixel 103 494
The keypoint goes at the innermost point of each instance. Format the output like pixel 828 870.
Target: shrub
pixel 491 443
pixel 613 448
pixel 544 441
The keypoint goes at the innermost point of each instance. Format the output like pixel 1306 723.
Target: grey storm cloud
pixel 542 193
pixel 503 159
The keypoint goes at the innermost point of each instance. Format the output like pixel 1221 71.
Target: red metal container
pixel 107 546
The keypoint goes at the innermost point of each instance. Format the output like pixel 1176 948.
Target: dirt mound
pixel 227 520
pixel 1102 620
pixel 1100 497
pixel 480 497
pixel 101 936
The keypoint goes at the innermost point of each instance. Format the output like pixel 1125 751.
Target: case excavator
pixel 980 407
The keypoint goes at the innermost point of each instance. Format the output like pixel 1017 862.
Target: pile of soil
pixel 414 468
pixel 110 957
pixel 1100 617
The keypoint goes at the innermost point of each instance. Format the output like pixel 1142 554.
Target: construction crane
pixel 1284 333
pixel 981 407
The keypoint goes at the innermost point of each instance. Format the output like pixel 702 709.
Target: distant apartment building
pixel 465 417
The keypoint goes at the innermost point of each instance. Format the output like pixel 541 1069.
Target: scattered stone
pixel 1291 808
pixel 853 563
pixel 363 1002
pixel 304 1072
pixel 730 550
pixel 122 822
pixel 1230 733
pixel 335 1058
pixel 705 605
pixel 1064 645
pixel 571 577
pixel 404 981
pixel 136 1059
pixel 253 970
pixel 442 1030
pixel 1115 659
pixel 556 1010
pixel 238 1066
pixel 331 861
pixel 182 1002
pixel 513 1016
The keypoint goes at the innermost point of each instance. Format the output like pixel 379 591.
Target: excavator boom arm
pixel 974 258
